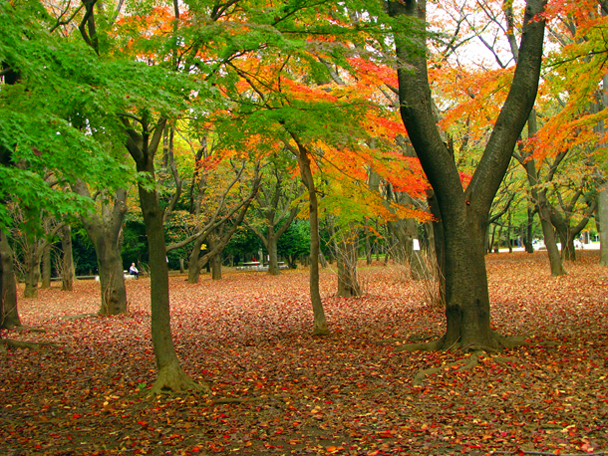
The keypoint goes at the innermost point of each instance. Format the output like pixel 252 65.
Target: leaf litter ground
pixel 278 390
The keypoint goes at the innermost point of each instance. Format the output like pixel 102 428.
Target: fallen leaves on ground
pixel 279 390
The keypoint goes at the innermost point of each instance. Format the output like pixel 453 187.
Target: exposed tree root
pixel 172 379
pixel 498 342
pixel 80 316
pixel 433 345
pixel 10 343
pixel 465 364
pixel 29 329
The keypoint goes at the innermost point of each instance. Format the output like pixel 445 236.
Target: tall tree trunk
pixel 464 212
pixel 320 323
pixel 9 315
pixel 67 262
pixel 142 148
pixel 529 225
pixel 602 213
pixel 542 205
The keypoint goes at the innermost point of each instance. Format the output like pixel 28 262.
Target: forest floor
pixel 278 390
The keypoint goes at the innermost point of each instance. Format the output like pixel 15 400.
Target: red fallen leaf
pixel 76 416
pixel 142 423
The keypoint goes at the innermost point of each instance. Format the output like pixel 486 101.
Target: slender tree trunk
pixel 46 267
pixel 542 206
pixel 271 246
pixel 602 212
pixel 67 263
pixel 368 247
pixel 142 148
pixel 320 323
pixel 529 226
pixel 9 315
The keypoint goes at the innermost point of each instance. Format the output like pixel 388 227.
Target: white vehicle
pixel 538 244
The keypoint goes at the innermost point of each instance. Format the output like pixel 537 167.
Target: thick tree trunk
pixel 194 267
pixel 468 303
pixel 9 315
pixel 67 263
pixel 346 255
pixel 464 212
pixel 216 267
pixel 602 213
pixel 105 232
pixel 111 278
pixel 32 272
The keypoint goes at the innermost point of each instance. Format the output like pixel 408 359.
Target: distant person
pixel 254 260
pixel 134 271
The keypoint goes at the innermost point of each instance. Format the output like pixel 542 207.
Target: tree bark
pixel 320 323
pixel 345 246
pixel 529 225
pixel 348 284
pixel 142 147
pixel 602 212
pixel 105 232
pixel 216 267
pixel 539 196
pixel 67 262
pixel 9 314
pixel 464 213
pixel 194 266
pixel 46 267
pixel 32 259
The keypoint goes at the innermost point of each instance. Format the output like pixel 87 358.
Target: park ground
pixel 277 390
